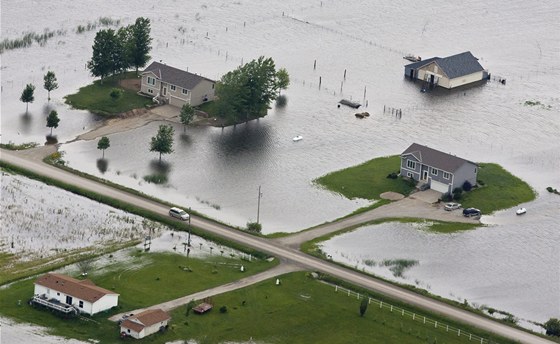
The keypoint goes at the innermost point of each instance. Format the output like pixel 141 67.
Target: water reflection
pixel 102 165
pixel 51 139
pixel 281 101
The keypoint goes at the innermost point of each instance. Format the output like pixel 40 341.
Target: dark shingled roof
pixel 175 76
pixel 434 158
pixel 453 66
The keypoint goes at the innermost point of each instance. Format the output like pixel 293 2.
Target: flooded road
pixel 218 172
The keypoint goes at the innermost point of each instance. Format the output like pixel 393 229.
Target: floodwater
pixel 218 172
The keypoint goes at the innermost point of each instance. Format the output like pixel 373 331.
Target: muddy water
pixel 218 171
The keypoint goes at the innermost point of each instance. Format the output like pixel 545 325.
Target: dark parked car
pixel 471 212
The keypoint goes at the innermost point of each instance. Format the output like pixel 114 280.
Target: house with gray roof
pixel 175 86
pixel 448 72
pixel 441 171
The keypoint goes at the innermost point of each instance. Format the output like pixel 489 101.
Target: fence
pixel 415 317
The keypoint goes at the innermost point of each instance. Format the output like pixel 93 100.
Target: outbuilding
pixel 145 323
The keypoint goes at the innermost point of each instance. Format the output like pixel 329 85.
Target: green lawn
pixel 96 98
pixel 501 190
pixel 368 180
pixel 147 279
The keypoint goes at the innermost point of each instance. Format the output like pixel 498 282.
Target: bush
pixel 552 327
pixel 446 197
pixel 254 227
pixel 393 175
pixel 480 182
pixel 457 193
pixel 467 186
pixel 116 93
pixel 223 309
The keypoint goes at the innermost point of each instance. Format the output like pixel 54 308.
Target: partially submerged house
pixel 145 323
pixel 447 72
pixel 175 86
pixel 441 171
pixel 67 295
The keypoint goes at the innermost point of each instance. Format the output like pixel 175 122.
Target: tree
pixel 363 306
pixel 552 327
pixel 187 115
pixel 190 306
pixel 103 144
pixel 105 49
pixel 139 44
pixel 282 79
pixel 53 120
pixel 27 95
pixel 163 141
pixel 50 83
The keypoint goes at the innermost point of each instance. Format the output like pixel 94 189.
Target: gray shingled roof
pixel 434 158
pixel 175 76
pixel 453 66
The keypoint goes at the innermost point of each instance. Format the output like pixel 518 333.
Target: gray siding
pixel 466 172
pixel 405 169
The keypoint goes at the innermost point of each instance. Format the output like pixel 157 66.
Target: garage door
pixel 176 101
pixel 440 187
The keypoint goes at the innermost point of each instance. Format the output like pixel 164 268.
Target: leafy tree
pixel 247 91
pixel 139 44
pixel 190 306
pixel 254 227
pixel 552 327
pixel 50 83
pixel 187 115
pixel 283 79
pixel 163 141
pixel 27 96
pixel 105 48
pixel 467 186
pixel 53 120
pixel 364 306
pixel 103 144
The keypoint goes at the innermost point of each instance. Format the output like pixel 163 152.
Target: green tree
pixel 140 43
pixel 190 306
pixel 50 83
pixel 53 120
pixel 105 48
pixel 363 306
pixel 552 327
pixel 103 144
pixel 282 79
pixel 187 115
pixel 27 96
pixel 163 141
pixel 121 55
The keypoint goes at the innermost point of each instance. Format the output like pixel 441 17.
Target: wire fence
pixel 415 317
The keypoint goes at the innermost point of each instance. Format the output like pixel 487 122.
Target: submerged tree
pixel 27 96
pixel 50 83
pixel 552 327
pixel 53 120
pixel 103 144
pixel 187 115
pixel 163 141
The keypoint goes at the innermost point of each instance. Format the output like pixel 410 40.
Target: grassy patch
pixel 22 146
pixel 367 180
pixel 150 278
pixel 156 178
pixel 501 190
pixel 96 97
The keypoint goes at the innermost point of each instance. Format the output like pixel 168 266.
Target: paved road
pixel 279 250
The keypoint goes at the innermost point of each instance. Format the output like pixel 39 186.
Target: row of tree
pixel 246 92
pixel 28 94
pixel 118 51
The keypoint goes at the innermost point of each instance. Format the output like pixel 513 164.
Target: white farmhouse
pixel 56 289
pixel 145 323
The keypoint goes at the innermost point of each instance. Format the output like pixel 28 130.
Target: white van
pixel 179 213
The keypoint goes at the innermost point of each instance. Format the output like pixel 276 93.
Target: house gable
pixel 174 76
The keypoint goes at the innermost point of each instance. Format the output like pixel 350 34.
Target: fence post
pixel 381 304
pixel 391 308
pixel 435 325
pixel 348 292
pixel 403 312
pixel 358 296
pixel 424 320
pixel 459 332
pixel 413 316
pixel 447 328
pixel 335 288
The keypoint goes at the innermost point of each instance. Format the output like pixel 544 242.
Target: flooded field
pixel 218 172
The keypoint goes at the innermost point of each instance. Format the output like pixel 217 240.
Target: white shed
pixel 145 323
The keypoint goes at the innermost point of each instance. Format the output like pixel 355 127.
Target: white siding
pixel 106 302
pixel 204 89
pixel 467 79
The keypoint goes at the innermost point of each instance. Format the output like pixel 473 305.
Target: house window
pixel 150 91
pixel 409 175
pixel 434 171
pixel 151 81
pixel 475 170
pixel 411 164
pixel 445 175
pixel 212 86
pixel 173 88
pixel 185 91
pixel 81 305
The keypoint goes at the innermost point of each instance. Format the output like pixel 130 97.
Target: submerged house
pixel 175 86
pixel 145 323
pixel 441 171
pixel 66 294
pixel 447 72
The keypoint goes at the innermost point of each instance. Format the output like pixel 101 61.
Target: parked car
pixel 471 212
pixel 452 206
pixel 179 213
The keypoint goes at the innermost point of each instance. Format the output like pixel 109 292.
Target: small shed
pixel 145 323
pixel 202 308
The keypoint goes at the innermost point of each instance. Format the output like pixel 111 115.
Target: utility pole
pixel 259 204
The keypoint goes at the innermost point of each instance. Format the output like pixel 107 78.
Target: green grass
pixel 138 285
pixel 22 146
pixel 96 98
pixel 368 180
pixel 209 108
pixel 501 190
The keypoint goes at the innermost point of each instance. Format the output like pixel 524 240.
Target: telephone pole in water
pixel 259 204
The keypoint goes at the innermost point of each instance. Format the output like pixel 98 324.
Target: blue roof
pixel 453 66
